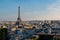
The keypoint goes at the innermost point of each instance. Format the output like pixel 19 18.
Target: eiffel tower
pixel 19 21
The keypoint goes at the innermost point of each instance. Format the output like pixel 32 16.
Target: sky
pixel 30 9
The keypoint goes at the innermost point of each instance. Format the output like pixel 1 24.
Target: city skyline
pixel 30 9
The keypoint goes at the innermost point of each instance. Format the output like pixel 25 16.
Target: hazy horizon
pixel 30 9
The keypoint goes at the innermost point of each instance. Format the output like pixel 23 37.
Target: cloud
pixel 53 11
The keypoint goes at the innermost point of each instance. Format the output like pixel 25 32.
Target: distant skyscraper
pixel 19 21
